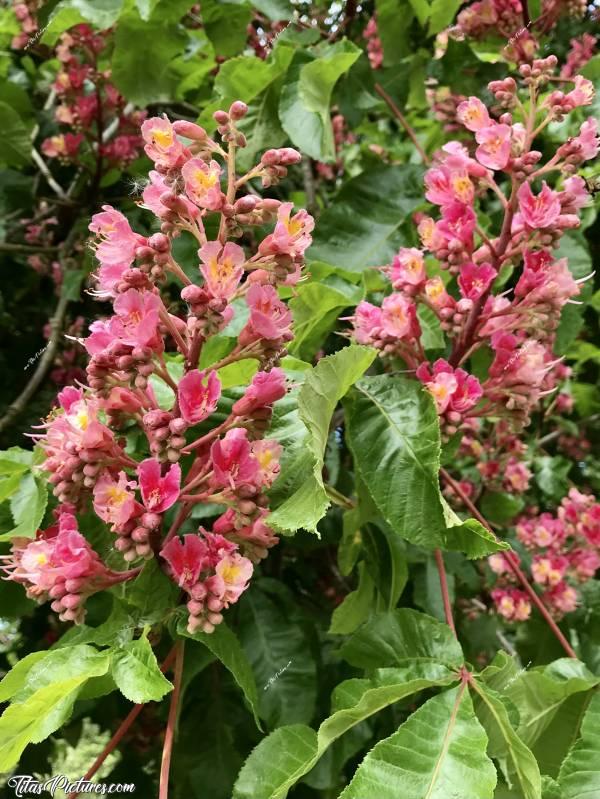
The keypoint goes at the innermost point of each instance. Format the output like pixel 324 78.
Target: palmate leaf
pixel 224 645
pixel 520 762
pixel 579 776
pixel 400 637
pixel 44 696
pixel 362 227
pixel 438 753
pixel 393 432
pixel 281 660
pixel 289 753
pixel 306 500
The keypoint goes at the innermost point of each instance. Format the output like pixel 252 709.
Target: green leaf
pixel 16 139
pixel 46 699
pixel 136 672
pixel 399 637
pixel 361 228
pixel 323 387
pixel 132 74
pixel 225 646
pixel 551 475
pixel 226 26
pixel 356 606
pixel 501 507
pixel 470 536
pixel 576 250
pixel 521 762
pixel 101 13
pixel 392 430
pixel 304 108
pixel 282 758
pixel 280 657
pixel 394 18
pixel 316 308
pixel 437 752
pixel 539 694
pixel 27 505
pixel 432 335
pixel 422 10
pixel 152 592
pixel 17 677
pixel 442 14
pixel 579 776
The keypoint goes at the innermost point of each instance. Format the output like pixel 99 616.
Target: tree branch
pixel 514 566
pixel 165 766
pixel 403 121
pixel 439 559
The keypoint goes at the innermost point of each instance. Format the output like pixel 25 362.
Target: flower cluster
pixel 192 453
pixel 26 12
pixel 60 565
pixel 374 46
pixel 565 551
pixel 505 18
pixel 517 330
pixel 89 104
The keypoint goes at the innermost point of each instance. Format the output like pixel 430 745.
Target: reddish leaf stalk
pixel 403 121
pixel 439 559
pixel 122 730
pixel 171 723
pixel 514 567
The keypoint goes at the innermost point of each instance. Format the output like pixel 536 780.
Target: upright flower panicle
pixel 227 463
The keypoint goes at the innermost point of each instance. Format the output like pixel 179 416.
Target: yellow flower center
pixel 164 138
pixel 230 572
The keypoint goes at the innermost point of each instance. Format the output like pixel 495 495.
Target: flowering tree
pixel 297 454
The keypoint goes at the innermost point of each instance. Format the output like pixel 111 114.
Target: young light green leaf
pixel 356 606
pixel 437 753
pixel 27 505
pixel 15 679
pixel 136 672
pixel 305 99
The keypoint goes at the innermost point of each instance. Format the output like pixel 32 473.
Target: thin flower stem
pixel 214 433
pixel 165 317
pixel 403 121
pixel 439 559
pixel 184 512
pixel 123 728
pixel 165 767
pixel 513 565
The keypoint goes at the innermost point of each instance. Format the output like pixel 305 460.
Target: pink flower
pixel 408 268
pixel 498 563
pixel 159 492
pixel 588 139
pixel 546 282
pixel 233 573
pixel 516 475
pixel 494 146
pixel 549 570
pixel 114 503
pixel 563 598
pixel 270 318
pixel 69 396
pixel 429 234
pixel 267 454
pixel 468 392
pixel 162 145
pixel 187 558
pixel 367 322
pixel 473 114
pixel 202 184
pixel 115 248
pixel 291 235
pixel 198 395
pixel 436 293
pixel 136 320
pixel 222 267
pixel 233 462
pixel 539 211
pixel 457 224
pixel 65 145
pixel 575 194
pixel 475 279
pixel 441 389
pixel 265 389
pixel 399 317
pixel 582 94
pixel 512 604
pixel 445 186
pixel 584 562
